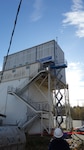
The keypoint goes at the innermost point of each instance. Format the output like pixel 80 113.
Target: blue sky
pixel 43 20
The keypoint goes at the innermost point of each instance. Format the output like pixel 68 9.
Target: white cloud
pixel 0 68
pixel 77 5
pixel 76 17
pixel 37 12
pixel 74 75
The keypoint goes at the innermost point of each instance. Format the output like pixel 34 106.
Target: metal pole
pixel 49 98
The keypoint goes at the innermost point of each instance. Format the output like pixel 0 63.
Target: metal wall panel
pixel 29 55
pixel 60 60
pixel 21 58
pixel 34 69
pixel 12 138
pixel 45 51
pixel 59 54
pixel 16 73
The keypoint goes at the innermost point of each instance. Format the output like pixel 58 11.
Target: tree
pixel 77 113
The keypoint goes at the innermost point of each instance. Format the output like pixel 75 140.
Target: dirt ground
pixel 37 142
pixel 76 144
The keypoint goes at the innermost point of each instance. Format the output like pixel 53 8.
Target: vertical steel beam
pixel 49 98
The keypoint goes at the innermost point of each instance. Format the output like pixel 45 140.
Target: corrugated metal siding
pixel 16 73
pixel 46 52
pixel 34 69
pixel 60 60
pixel 59 54
pixel 21 72
pixel 43 52
pixel 31 55
pixel 21 58
pixel 12 138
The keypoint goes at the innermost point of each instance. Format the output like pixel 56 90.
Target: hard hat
pixel 58 133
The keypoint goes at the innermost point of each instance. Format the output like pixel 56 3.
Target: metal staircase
pixel 28 81
pixel 40 109
pixel 26 126
pixel 23 100
pixel 30 105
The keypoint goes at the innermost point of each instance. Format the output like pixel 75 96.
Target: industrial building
pixel 30 88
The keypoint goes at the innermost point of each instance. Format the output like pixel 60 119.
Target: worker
pixel 58 142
